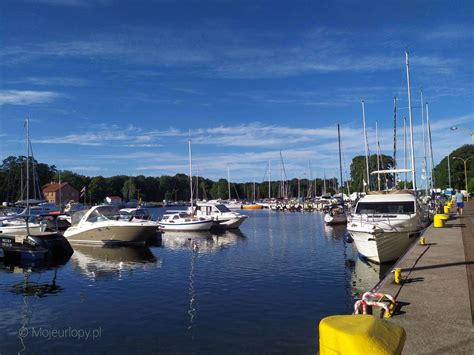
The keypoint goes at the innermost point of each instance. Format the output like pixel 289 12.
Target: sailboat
pixel 183 220
pixel 29 243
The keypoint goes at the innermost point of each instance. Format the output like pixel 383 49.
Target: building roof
pixel 54 186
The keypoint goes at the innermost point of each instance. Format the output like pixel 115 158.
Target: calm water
pixel 261 289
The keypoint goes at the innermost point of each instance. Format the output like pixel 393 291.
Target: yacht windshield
pixel 396 207
pixel 222 208
pixel 103 213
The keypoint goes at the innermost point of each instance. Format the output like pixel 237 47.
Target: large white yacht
pixel 223 216
pixel 102 225
pixel 384 225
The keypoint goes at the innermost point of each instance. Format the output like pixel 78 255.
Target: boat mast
pixel 254 190
pixel 430 147
pixel 425 165
pixel 405 148
pixel 412 147
pixel 324 182
pixel 27 123
pixel 190 173
pixel 366 148
pixel 269 179
pixel 395 138
pixel 340 165
pixel 228 181
pixel 378 153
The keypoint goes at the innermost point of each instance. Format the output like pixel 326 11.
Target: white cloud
pixel 26 97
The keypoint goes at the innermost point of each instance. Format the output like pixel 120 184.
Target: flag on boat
pixel 83 191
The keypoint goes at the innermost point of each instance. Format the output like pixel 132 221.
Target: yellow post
pixel 397 273
pixel 422 241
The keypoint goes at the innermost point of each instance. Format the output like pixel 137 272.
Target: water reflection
pixel 202 242
pixel 30 287
pixel 365 275
pixel 103 262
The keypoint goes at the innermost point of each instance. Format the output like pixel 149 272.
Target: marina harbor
pixel 218 177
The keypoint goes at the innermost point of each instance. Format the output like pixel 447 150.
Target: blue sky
pixel 117 87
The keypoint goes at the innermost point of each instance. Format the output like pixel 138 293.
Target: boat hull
pixel 189 226
pixel 120 234
pixel 230 223
pixel 20 229
pixel 338 219
pixel 252 207
pixel 382 247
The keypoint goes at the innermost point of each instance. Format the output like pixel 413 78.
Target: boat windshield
pixel 396 207
pixel 222 208
pixel 77 216
pixel 104 213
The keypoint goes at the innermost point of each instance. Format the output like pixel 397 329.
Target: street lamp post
pixel 465 173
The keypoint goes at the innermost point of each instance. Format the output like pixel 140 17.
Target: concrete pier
pixel 436 295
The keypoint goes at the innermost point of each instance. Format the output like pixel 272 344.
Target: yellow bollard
pixel 361 334
pixel 422 241
pixel 446 209
pixel 397 274
pixel 439 220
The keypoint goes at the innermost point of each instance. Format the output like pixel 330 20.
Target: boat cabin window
pixel 395 207
pixel 222 208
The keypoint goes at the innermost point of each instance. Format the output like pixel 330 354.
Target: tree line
pixel 177 188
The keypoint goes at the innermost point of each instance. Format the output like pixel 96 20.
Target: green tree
pixel 98 189
pixel 129 190
pixel 440 172
pixel 359 174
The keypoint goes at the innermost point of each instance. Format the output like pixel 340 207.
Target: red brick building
pixel 64 192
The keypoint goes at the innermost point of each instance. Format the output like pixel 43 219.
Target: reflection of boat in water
pixel 366 275
pixel 204 241
pixel 102 261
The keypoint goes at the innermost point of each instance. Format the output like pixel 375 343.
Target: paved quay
pixel 436 295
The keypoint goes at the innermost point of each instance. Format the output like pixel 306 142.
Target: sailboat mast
pixel 228 181
pixel 27 173
pixel 425 165
pixel 366 147
pixel 340 164
pixel 269 179
pixel 410 116
pixel 253 190
pixel 395 137
pixel 428 126
pixel 190 172
pixel 378 153
pixel 405 148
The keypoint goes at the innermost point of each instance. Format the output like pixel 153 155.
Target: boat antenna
pixel 366 148
pixel 340 165
pixel 410 116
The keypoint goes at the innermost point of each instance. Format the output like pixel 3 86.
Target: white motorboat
pixel 223 216
pixel 335 215
pixel 102 225
pixel 384 225
pixel 184 221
